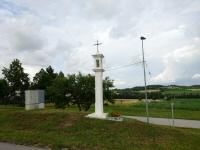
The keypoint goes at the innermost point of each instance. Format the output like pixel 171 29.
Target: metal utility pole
pixel 172 108
pixel 145 84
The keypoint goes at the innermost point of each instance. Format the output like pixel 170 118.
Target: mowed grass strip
pixel 60 129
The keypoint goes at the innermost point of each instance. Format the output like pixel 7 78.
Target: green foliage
pixel 4 89
pixel 61 74
pixel 44 78
pixel 16 78
pixel 153 87
pixel 58 91
pixel 81 88
pixel 107 92
pixel 77 90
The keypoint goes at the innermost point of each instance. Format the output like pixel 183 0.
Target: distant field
pixel 181 91
pixel 142 91
pixel 183 108
pixel 126 101
pixel 195 90
pixel 181 104
pixel 186 104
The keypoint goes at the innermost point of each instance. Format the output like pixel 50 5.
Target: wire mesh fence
pixel 13 101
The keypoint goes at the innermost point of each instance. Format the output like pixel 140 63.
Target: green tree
pixel 50 72
pixel 59 92
pixel 16 78
pixel 61 74
pixel 74 89
pixel 4 89
pixel 81 87
pixel 107 92
pixel 44 78
pixel 40 80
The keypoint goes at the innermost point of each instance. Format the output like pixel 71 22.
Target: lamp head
pixel 142 38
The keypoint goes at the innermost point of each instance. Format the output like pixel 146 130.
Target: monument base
pixel 98 116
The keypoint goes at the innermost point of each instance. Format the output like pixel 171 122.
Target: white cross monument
pixel 98 85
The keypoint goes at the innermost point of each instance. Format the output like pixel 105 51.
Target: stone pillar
pixel 99 113
pixel 98 91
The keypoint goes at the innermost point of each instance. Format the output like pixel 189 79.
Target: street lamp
pixel 146 102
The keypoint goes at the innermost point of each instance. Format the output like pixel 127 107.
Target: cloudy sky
pixel 61 33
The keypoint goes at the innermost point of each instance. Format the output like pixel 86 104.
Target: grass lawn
pixel 62 128
pixel 183 108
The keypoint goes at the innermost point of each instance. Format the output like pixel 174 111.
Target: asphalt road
pixel 9 146
pixel 169 122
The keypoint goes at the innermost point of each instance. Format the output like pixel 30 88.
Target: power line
pixel 123 66
pixel 136 58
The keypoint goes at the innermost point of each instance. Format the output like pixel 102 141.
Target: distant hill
pixel 158 92
pixel 153 87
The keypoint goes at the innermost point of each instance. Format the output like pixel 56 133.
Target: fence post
pixel 172 108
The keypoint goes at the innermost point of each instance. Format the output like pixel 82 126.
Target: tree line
pixel 157 92
pixel 63 91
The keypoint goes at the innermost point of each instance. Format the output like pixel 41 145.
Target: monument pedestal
pixel 99 116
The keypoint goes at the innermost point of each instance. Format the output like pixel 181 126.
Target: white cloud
pixel 196 76
pixel 62 33
pixel 119 82
pixel 31 70
pixel 179 65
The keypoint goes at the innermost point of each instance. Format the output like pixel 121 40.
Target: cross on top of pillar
pixel 97 45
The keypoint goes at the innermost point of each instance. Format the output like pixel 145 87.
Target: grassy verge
pixel 59 128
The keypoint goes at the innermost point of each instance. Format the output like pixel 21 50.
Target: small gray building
pixel 34 99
